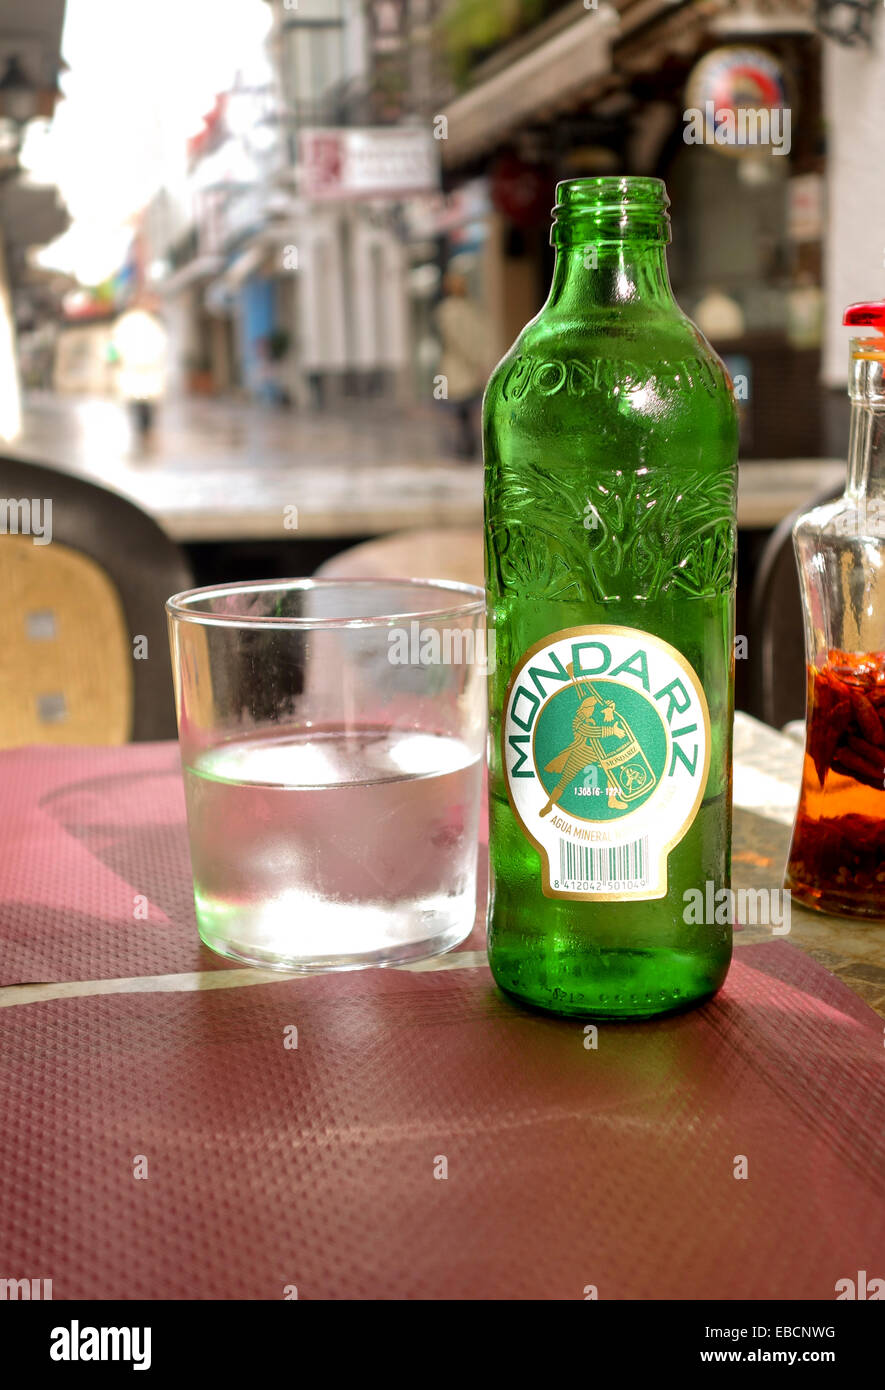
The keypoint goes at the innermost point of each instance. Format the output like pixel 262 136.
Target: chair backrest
pixel 437 553
pixel 776 625
pixel 84 574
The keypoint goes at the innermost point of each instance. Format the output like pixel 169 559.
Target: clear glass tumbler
pixel 332 735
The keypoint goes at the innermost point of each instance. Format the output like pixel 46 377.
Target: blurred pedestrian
pixel 270 354
pixel 463 363
pixel 140 348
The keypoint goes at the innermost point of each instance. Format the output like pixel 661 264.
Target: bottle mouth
pixel 620 208
pixel 866 371
pixel 867 349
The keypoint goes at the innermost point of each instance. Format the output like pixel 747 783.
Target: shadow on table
pixel 134 825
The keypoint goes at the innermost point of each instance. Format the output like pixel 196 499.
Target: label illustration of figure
pixel 596 723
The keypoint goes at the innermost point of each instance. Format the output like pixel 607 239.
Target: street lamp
pixel 19 96
pixel 849 22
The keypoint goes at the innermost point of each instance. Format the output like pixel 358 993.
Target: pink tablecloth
pixel 425 1138
pixel 92 840
pixel 317 1165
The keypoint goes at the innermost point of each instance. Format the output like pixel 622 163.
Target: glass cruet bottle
pixel 837 856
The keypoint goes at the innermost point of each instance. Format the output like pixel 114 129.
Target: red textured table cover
pixel 426 1138
pixel 95 873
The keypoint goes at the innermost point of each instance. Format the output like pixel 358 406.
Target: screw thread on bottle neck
pixel 610 236
pixel 610 211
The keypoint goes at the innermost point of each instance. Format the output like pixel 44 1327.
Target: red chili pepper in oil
pixel 837 857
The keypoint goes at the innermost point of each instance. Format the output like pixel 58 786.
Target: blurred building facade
pixel 565 90
pixel 31 215
pixel 283 261
pixel 375 144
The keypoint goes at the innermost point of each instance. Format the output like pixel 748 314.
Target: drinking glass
pixel 332 737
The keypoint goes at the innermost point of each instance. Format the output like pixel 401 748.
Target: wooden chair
pixel 84 656
pixel 453 553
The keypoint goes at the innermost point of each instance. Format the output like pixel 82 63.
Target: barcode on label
pixel 585 868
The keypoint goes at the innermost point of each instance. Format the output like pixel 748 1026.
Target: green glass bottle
pixel 610 439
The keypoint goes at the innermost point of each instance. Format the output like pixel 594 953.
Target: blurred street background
pixel 258 257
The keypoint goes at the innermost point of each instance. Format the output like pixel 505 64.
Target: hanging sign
pixel 737 102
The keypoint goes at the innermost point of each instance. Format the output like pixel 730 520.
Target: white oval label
pixel 606 746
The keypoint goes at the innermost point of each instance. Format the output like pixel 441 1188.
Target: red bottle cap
pixel 866 315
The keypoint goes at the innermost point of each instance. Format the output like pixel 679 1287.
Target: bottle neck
pixel 866 439
pixel 610 274
pixel 866 451
pixel 611 237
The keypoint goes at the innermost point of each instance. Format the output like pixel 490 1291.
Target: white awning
pixel 243 265
pixel 547 78
pixel 198 268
